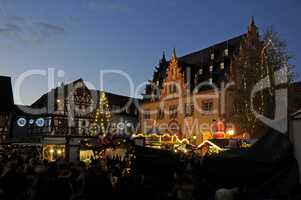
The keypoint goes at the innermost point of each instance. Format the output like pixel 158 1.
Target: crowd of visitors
pixel 143 174
pixel 26 176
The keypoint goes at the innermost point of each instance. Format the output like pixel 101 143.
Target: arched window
pixel 172 88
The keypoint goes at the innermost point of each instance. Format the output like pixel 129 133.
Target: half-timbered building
pixel 64 117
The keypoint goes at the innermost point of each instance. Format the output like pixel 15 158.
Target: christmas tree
pixel 255 66
pixel 103 115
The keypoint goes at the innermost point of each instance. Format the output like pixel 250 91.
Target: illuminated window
pixel 173 112
pixel 160 114
pixel 222 65
pixel 211 68
pixel 226 52
pixel 172 88
pixel 200 71
pixel 212 56
pixel 189 108
pixel 207 106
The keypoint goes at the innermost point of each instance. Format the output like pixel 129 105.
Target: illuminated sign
pixel 21 122
pixel 40 122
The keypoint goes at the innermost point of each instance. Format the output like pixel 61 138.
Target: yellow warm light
pixel 212 144
pixel 194 137
pixel 51 150
pixel 231 132
pixel 173 138
pixel 59 151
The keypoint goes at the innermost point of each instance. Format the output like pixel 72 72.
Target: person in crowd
pixel 28 177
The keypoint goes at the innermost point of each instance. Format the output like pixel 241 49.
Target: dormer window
pixel 226 52
pixel 222 65
pixel 212 56
pixel 211 68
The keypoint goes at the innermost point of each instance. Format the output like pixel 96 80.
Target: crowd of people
pixel 139 175
pixel 28 177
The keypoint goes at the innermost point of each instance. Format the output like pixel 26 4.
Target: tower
pixel 174 82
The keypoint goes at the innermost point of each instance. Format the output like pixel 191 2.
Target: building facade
pixel 177 111
pixel 191 96
pixel 62 119
pixel 70 110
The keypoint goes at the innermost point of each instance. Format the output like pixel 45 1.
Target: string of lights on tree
pixel 103 115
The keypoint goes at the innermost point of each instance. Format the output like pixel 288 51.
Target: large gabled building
pixel 212 64
pixel 63 118
pixel 72 107
pixel 191 95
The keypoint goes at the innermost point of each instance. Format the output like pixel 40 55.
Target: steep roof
pixel 202 57
pixel 114 99
pixel 42 101
pixel 200 60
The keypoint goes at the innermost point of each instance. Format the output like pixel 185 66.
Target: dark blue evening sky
pixel 83 37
